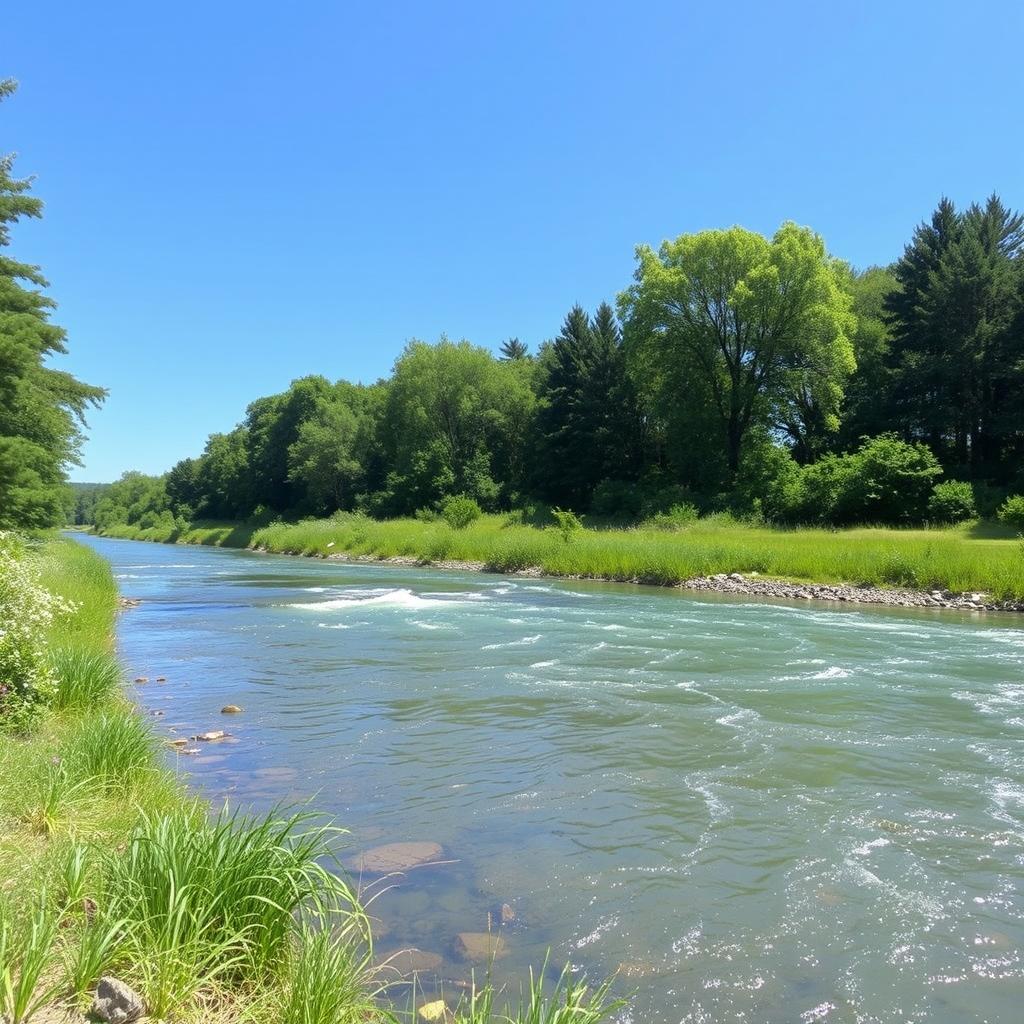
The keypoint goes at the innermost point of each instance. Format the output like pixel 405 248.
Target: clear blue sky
pixel 238 194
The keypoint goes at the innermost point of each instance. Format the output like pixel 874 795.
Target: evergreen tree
pixel 514 350
pixel 42 410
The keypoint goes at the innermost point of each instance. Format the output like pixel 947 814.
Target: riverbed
pixel 754 811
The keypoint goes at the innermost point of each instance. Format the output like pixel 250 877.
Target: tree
pixel 957 345
pixel 42 410
pixel 587 420
pixel 455 422
pixel 758 329
pixel 514 349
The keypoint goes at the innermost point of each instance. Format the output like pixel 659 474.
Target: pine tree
pixel 514 350
pixel 42 410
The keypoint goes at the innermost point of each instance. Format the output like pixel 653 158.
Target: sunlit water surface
pixel 767 813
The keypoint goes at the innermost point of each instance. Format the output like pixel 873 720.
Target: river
pixel 763 813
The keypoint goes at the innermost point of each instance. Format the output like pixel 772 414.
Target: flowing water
pixel 764 813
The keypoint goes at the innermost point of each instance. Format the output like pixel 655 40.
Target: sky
pixel 239 194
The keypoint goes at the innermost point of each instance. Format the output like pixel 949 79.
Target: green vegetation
pixel 41 409
pixel 107 866
pixel 668 549
pixel 757 376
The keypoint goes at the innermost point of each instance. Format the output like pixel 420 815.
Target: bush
pixel 567 523
pixel 459 511
pixel 1012 512
pixel 952 501
pixel 27 611
pixel 678 517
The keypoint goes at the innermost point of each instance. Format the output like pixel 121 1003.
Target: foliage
pixel 678 517
pixel 27 611
pixel 42 409
pixel 756 330
pixel 1012 512
pixel 952 501
pixel 458 511
pixel 567 523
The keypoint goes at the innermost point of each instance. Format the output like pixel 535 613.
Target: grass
pixel 107 865
pixel 975 557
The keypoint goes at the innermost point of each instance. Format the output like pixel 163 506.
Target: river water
pixel 761 812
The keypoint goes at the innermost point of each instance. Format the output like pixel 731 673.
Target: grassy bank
pixel 108 866
pixel 976 557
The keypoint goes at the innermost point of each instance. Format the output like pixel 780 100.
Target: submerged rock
pixel 382 860
pixel 116 1002
pixel 435 1011
pixel 412 961
pixel 507 914
pixel 479 947
pixel 142 679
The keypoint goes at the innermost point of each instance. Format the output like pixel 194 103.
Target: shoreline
pixel 732 584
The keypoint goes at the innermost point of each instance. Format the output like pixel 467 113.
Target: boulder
pixel 116 1003
pixel 479 947
pixel 382 860
pixel 412 961
pixel 231 709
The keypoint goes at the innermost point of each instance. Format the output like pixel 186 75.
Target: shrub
pixel 678 517
pixel 1012 512
pixel 459 511
pixel 616 498
pixel 567 523
pixel 952 501
pixel 27 611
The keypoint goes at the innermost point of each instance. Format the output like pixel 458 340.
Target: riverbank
pixel 973 568
pixel 109 867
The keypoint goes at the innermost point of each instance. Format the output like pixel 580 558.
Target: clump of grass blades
pixel 570 1001
pixel 114 749
pixel 328 983
pixel 48 798
pixel 217 901
pixel 26 955
pixel 85 679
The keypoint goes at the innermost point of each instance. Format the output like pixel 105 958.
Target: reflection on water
pixel 761 813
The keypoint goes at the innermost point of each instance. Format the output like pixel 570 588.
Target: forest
pixel 737 373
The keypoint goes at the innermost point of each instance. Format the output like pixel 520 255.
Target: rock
pixel 382 860
pixel 231 709
pixel 507 914
pixel 412 961
pixel 189 750
pixel 116 1002
pixel 142 679
pixel 209 737
pixel 480 947
pixel 179 742
pixel 161 679
pixel 435 1011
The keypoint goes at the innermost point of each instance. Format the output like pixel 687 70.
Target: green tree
pixel 588 421
pixel 757 330
pixel 42 410
pixel 455 422
pixel 514 349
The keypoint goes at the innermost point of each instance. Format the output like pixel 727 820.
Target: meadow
pixel 970 557
pixel 108 865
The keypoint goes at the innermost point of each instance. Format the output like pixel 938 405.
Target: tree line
pixel 736 371
pixel 760 375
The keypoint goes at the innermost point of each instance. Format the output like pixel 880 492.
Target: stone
pixel 435 1011
pixel 412 961
pixel 116 1003
pixel 382 860
pixel 209 737
pixel 179 742
pixel 507 914
pixel 142 679
pixel 231 709
pixel 480 947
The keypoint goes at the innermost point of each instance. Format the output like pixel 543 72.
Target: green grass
pixel 978 557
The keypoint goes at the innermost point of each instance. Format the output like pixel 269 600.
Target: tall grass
pixel 114 751
pixel 85 678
